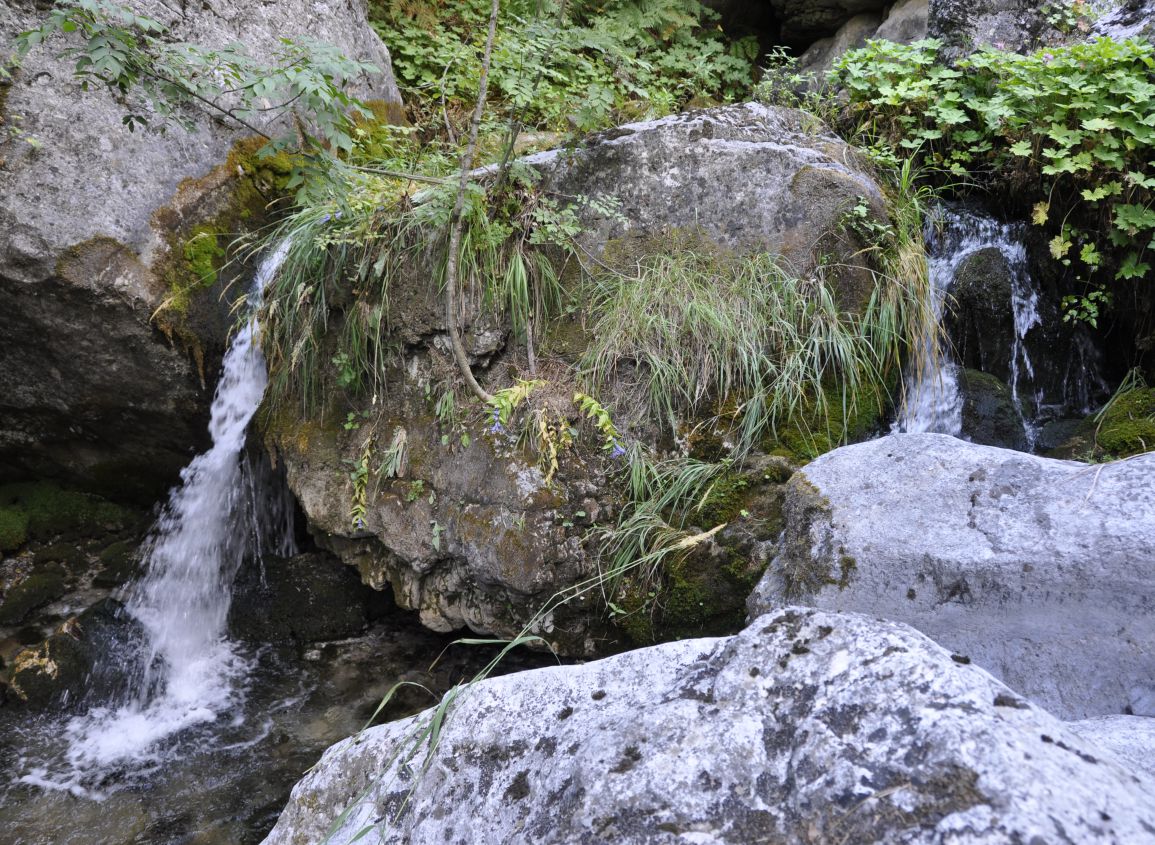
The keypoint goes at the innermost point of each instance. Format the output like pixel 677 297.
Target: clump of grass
pixel 346 260
pixel 693 331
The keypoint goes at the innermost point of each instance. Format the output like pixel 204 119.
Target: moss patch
pixel 1128 426
pixel 843 420
pixel 48 510
pixel 13 528
pixel 35 591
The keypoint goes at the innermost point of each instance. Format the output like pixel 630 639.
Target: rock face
pixel 968 25
pixel 89 388
pixel 989 415
pixel 472 534
pixel 904 23
pixel 1037 570
pixel 747 177
pixel 805 20
pixel 808 727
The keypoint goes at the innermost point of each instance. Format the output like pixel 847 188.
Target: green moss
pixel 816 432
pixel 240 193
pixel 35 591
pixel 1128 426
pixel 13 528
pixel 51 511
pixel 723 501
pixel 203 253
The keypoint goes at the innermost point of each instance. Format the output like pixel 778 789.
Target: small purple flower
pixel 497 427
pixel 618 451
pixel 326 218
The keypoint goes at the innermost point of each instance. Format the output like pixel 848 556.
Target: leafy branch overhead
pixel 295 101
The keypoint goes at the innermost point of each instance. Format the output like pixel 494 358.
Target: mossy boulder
pixel 54 511
pixel 119 564
pixel 92 656
pixel 1128 425
pixel 44 585
pixel 989 414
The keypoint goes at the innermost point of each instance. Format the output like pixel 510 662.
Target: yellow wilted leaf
pixel 1039 214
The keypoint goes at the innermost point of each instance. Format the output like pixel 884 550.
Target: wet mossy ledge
pixel 206 227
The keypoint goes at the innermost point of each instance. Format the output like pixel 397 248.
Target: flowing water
pixel 933 401
pixel 209 735
pixel 190 673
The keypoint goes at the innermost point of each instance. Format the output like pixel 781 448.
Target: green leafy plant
pixel 1072 127
pixel 562 65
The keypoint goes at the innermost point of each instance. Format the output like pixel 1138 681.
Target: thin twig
pixel 457 221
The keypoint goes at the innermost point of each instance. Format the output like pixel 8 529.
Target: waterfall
pixel 933 401
pixel 191 674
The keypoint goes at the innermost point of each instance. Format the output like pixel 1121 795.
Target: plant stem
pixel 456 223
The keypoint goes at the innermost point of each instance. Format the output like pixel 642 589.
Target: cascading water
pixel 190 674
pixel 934 402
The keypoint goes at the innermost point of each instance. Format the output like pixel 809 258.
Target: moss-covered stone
pixel 1128 426
pixel 13 528
pixel 840 421
pixel 38 589
pixel 53 511
pixel 119 564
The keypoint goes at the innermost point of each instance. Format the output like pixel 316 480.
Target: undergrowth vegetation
pixel 1068 129
pixel 562 66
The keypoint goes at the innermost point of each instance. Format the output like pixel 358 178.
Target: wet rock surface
pixel 1038 570
pixel 90 389
pixel 224 783
pixel 989 415
pixel 308 598
pixel 807 727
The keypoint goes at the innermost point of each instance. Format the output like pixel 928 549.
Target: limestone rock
pixel 968 25
pixel 823 53
pixel 1038 570
pixel 906 21
pixel 472 534
pixel 89 388
pixel 807 727
pixel 746 177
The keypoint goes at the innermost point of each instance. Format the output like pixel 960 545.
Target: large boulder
pixel 1038 570
pixel 808 727
pixel 968 25
pixel 473 533
pixel 91 223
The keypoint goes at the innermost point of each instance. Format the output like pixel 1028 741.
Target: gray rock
pixel 906 21
pixel 968 25
pixel 805 20
pixel 808 727
pixel 89 387
pixel 823 53
pixel 747 176
pixel 1038 570
pixel 472 534
pixel 1130 739
pixel 989 415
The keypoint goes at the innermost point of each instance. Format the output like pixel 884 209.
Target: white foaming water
pixel 933 401
pixel 192 674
